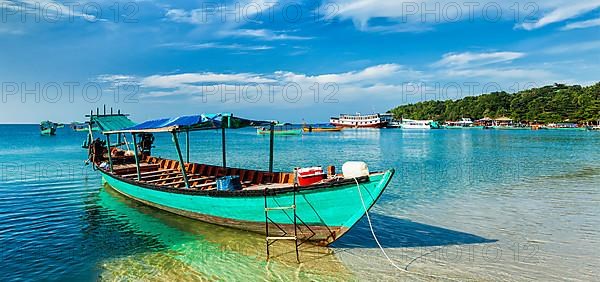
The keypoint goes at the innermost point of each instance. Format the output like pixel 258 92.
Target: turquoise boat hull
pixel 48 131
pixel 329 211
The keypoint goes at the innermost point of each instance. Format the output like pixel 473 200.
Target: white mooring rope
pixel 381 247
pixel 373 231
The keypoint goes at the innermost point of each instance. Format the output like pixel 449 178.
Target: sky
pixel 284 60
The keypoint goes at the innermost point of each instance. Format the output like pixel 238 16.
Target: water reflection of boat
pixel 236 197
pixel 185 248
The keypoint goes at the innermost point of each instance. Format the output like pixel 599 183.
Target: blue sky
pixel 287 60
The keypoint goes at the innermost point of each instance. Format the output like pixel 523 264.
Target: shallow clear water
pixel 463 205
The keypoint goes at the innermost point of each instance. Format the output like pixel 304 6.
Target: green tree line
pixel 553 103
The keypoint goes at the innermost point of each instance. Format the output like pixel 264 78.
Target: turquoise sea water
pixel 463 205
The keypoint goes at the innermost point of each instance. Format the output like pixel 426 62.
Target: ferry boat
pixel 419 124
pixel 360 121
pixel 302 205
pixel 461 124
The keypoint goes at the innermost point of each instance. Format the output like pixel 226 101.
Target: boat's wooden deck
pixel 167 173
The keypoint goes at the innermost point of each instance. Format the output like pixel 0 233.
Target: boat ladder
pixel 270 240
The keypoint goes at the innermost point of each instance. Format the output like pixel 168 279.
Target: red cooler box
pixel 310 175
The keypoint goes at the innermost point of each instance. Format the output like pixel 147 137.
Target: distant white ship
pixel 358 120
pixel 418 124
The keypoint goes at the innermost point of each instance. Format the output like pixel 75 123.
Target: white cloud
pixel 216 45
pixel 376 81
pixel 265 34
pixel 583 46
pixel 497 74
pixel 469 59
pixel 582 24
pixel 374 85
pixel 216 20
pixel 237 13
pixel 421 15
pixel 560 11
pixel 178 80
pixel 489 66
pixel 369 75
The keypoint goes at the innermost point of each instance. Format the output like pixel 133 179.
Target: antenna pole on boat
pixel 271 140
pixel 223 145
pixel 181 163
pixel 110 163
pixel 187 146
pixel 137 161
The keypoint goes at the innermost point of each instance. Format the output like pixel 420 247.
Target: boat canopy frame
pixel 187 124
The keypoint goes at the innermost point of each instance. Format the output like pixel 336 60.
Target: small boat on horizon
pixel 48 128
pixel 81 127
pixel 320 128
pixel 280 129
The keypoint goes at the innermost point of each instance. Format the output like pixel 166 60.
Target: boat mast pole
pixel 187 146
pixel 271 139
pixel 181 164
pixel 223 147
pixel 137 161
pixel 110 163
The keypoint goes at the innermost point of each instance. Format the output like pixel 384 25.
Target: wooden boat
pixel 81 127
pixel 321 212
pixel 48 128
pixel 310 128
pixel 279 129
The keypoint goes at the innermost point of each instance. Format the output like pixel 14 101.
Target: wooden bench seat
pixel 130 168
pixel 171 178
pixel 190 179
pixel 148 173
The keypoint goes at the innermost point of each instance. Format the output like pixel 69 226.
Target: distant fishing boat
pixel 81 127
pixel 307 204
pixel 280 129
pixel 419 124
pixel 360 121
pixel 48 128
pixel 320 128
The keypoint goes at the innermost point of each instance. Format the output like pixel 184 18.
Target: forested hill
pixel 553 103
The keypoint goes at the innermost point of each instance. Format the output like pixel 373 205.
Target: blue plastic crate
pixel 229 183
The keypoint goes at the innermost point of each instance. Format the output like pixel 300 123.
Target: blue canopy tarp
pixel 193 122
